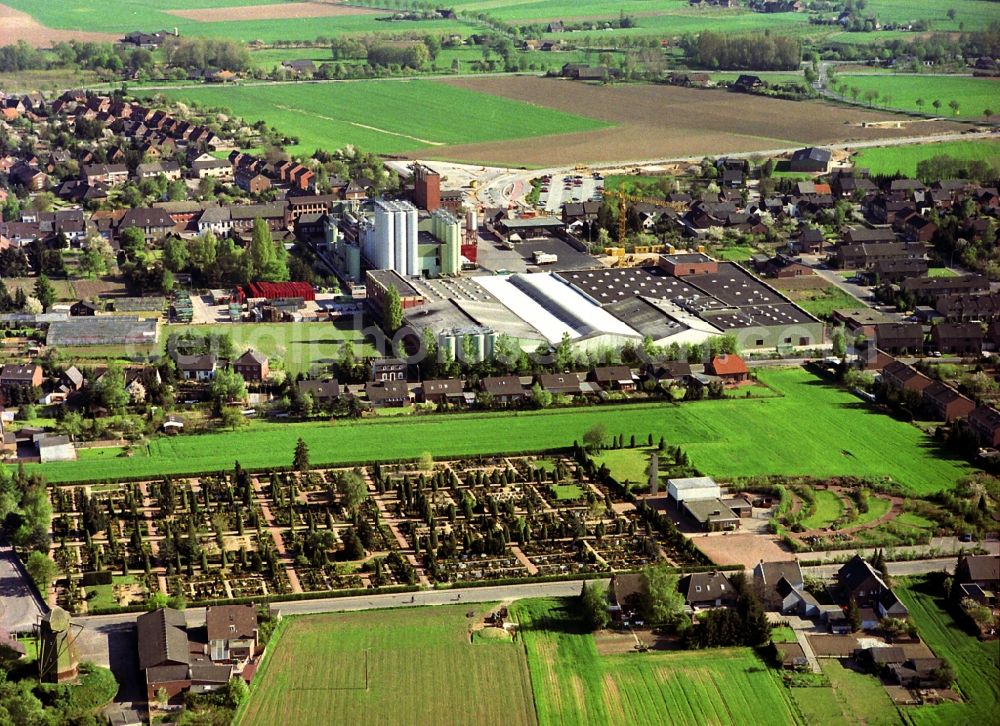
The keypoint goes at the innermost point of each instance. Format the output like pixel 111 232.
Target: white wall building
pixel 389 240
pixel 693 489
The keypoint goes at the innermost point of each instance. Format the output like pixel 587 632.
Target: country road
pixel 196 616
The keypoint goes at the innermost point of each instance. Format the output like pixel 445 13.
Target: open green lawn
pixel 567 491
pixel 829 507
pixel 297 347
pixel 574 685
pixel 976 663
pixel 735 253
pixel 877 508
pixel 974 95
pixel 834 434
pixel 102 596
pixel 941 272
pixel 819 706
pixel 861 697
pixel 903 159
pixel 422 669
pixel 909 520
pixel 386 117
pixel 782 634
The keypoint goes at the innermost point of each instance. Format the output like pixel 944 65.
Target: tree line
pixel 758 51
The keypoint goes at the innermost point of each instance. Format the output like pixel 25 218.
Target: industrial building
pixel 389 240
pixel 720 295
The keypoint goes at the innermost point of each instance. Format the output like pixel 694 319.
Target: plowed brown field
pixel 670 122
pixel 279 11
pixel 15 26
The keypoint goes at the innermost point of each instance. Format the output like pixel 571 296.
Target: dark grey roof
pixel 162 638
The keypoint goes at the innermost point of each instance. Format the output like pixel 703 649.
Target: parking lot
pixel 560 189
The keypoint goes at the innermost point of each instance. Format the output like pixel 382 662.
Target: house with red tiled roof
pixel 730 368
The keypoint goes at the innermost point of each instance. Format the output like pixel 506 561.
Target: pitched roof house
pixel 232 632
pixel 945 402
pixel 707 590
pixel 730 368
pixel 253 366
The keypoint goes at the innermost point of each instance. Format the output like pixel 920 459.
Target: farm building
pixel 118 330
pixel 811 159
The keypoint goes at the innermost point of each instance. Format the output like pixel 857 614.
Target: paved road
pixel 896 569
pixel 19 606
pixel 196 616
pixel 938 548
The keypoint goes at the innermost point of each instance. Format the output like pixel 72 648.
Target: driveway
pixel 19 606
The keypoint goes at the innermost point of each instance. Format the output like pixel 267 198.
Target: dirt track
pixel 280 11
pixel 15 26
pixel 670 122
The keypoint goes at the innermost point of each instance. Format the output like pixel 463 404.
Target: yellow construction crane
pixel 624 198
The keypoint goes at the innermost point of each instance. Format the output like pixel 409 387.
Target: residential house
pixel 767 579
pixel 206 165
pixel 155 223
pixel 707 590
pixel 196 367
pixel 903 377
pixel 21 375
pixel 164 656
pixel 109 174
pixel 926 290
pixel 625 594
pixel 560 384
pixel 897 338
pixel 253 366
pixel 252 182
pixel 389 369
pixel 958 338
pixel 618 378
pixel 324 393
pixel 391 393
pixel 504 389
pixel 917 673
pixel 978 578
pixel 446 390
pixel 169 168
pixel 232 632
pixel 985 423
pixel 857 580
pixel 946 403
pixel 668 370
pixel 730 368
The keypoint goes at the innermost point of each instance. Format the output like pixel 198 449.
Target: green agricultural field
pixel 974 95
pixel 829 507
pixel 976 663
pixel 386 117
pixel 422 669
pixel 904 159
pixel 574 685
pixel 861 697
pixel 297 347
pixel 122 16
pixel 835 434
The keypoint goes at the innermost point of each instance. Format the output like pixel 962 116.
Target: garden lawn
pixel 297 348
pixel 974 95
pixel 976 663
pixel 819 706
pixel 385 117
pixel 904 159
pixel 567 491
pixel 422 669
pixel 813 429
pixel 861 696
pixel 829 507
pixel 574 685
pixel 822 301
pixel 877 508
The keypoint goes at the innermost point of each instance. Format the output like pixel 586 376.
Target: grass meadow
pixel 829 507
pixel 296 348
pixel 422 669
pixel 974 95
pixel 812 429
pixel 904 159
pixel 385 117
pixel 976 663
pixel 574 685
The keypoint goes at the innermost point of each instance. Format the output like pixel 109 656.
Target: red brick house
pixel 904 378
pixel 985 422
pixel 730 368
pixel 958 338
pixel 253 366
pixel 946 402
